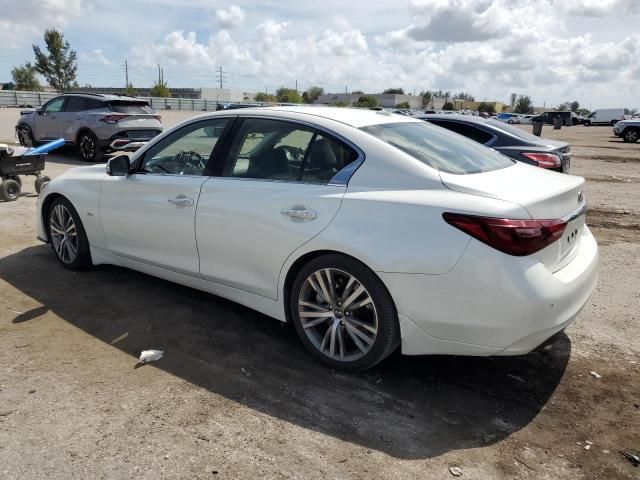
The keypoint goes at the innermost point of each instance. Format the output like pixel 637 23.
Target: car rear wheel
pixel 68 238
pixel 25 137
pixel 343 313
pixel 88 147
pixel 631 135
pixel 9 190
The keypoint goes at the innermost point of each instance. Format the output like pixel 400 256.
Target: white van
pixel 605 116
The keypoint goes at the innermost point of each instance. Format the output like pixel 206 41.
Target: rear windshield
pixel 439 148
pixel 123 106
pixel 514 131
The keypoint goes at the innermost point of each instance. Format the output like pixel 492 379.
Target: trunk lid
pixel 544 194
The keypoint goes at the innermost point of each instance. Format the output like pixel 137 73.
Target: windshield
pixel 439 148
pixel 123 106
pixel 514 131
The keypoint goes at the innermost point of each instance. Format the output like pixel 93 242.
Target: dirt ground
pixel 236 396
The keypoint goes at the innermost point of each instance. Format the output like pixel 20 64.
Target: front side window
pixel 187 151
pixel 54 105
pixel 269 149
pixel 439 148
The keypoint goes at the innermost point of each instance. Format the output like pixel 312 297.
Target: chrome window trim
pixel 581 210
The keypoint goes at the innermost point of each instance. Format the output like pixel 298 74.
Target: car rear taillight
pixel 544 160
pixel 112 118
pixel 514 237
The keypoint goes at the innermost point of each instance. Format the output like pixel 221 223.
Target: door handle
pixel 182 201
pixel 302 213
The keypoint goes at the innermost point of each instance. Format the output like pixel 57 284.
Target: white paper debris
pixel 150 355
pixel 596 374
pixel 455 471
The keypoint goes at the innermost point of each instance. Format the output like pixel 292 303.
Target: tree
pixel 160 89
pixel 288 95
pixel 25 78
pixel 130 91
pixel 59 66
pixel 403 105
pixel 312 94
pixel 583 111
pixel 447 106
pixel 366 101
pixel 341 103
pixel 465 96
pixel 8 86
pixel 427 98
pixel 574 106
pixel 487 107
pixel 264 97
pixel 563 107
pixel 357 92
pixel 396 91
pixel 523 104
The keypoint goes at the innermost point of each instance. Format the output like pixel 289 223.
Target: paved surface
pixel 236 396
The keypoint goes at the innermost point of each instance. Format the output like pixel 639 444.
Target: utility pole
pixel 126 74
pixel 345 90
pixel 221 76
pixel 296 84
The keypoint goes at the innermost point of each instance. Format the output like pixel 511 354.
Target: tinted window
pixel 439 148
pixel 514 131
pixel 74 104
pixel 93 104
pixel 461 128
pixel 187 151
pixel 326 158
pixel 269 149
pixel 54 105
pixel 124 106
pixel 482 137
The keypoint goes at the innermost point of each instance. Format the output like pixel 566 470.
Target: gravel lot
pixel 236 396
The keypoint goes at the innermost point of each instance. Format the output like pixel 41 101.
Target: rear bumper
pixel 129 140
pixel 491 303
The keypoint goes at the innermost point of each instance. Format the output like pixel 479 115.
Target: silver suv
pixel 628 130
pixel 95 123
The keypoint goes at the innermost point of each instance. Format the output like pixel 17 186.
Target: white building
pixel 225 95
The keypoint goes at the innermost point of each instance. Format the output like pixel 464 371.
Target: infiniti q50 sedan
pixel 367 231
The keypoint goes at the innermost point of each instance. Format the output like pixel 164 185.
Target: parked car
pixel 365 230
pixel 605 116
pixel 509 140
pixel 525 119
pixel 507 117
pixel 94 123
pixel 628 130
pixel 549 118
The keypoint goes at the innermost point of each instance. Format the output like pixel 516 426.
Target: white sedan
pixel 368 231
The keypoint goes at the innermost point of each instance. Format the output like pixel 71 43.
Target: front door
pixel 275 194
pixel 47 123
pixel 149 215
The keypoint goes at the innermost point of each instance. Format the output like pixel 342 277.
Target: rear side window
pixel 124 106
pixel 92 104
pixel 482 136
pixel 75 104
pixel 326 157
pixel 439 148
pixel 461 128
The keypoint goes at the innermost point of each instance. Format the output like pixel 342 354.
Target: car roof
pixel 355 117
pixel 453 116
pixel 104 96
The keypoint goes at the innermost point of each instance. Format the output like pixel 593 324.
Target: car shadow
pixel 407 407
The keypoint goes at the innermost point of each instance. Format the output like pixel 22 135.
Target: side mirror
pixel 118 166
pixel 39 110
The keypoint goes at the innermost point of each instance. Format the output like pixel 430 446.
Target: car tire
pixel 631 135
pixel 67 235
pixel 88 147
pixel 587 123
pixel 342 340
pixel 25 137
pixel 9 190
pixel 40 181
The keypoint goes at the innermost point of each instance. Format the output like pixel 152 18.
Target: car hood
pixel 92 171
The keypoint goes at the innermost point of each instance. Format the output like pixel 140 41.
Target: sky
pixel 551 50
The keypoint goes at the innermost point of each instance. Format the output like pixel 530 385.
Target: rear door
pixel 71 115
pixel 149 215
pixel 276 192
pixel 47 126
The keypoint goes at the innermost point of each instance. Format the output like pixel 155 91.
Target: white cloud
pixel 232 17
pixel 96 56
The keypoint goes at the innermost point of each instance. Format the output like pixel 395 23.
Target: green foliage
pixel 264 97
pixel 403 105
pixel 464 96
pixel 447 106
pixel 574 106
pixel 8 86
pixel 357 92
pixel 583 111
pixel 59 66
pixel 487 107
pixel 563 107
pixel 341 103
pixel 130 91
pixel 25 78
pixel 523 104
pixel 396 91
pixel 366 101
pixel 288 95
pixel 161 90
pixel 312 94
pixel 427 98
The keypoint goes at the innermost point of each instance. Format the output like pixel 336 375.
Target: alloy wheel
pixel 64 234
pixel 338 315
pixel 87 147
pixel 631 136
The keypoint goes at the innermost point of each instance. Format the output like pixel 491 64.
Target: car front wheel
pixel 343 313
pixel 631 135
pixel 68 238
